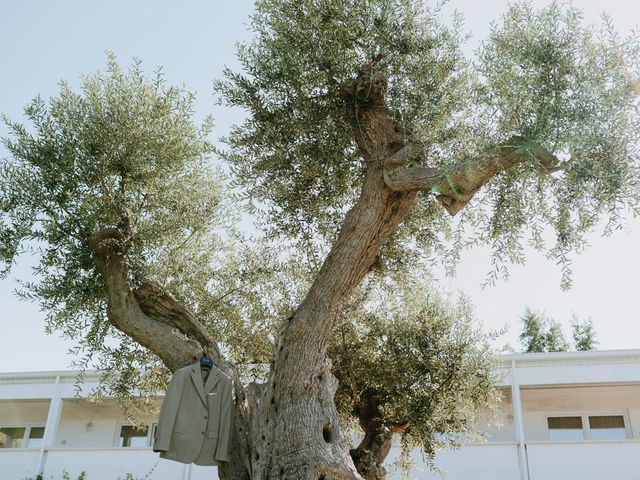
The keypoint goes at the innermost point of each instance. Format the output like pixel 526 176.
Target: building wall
pixel 550 385
pixel 18 464
pixel 493 461
pixel 117 463
pixel 87 424
pixel 23 411
pixel 584 460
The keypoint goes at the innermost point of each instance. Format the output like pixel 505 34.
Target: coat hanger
pixel 205 361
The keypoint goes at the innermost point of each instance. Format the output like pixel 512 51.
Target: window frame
pixel 27 433
pixel 586 426
pixel 148 439
pixel 582 429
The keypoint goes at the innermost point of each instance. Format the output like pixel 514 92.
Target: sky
pixel 43 42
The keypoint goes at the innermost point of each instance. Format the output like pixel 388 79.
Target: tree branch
pixel 370 454
pixel 412 179
pixel 161 306
pixel 456 187
pixel 156 327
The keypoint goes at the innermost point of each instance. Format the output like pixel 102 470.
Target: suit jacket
pixel 196 419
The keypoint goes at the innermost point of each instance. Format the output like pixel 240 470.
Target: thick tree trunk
pixel 299 431
pixel 300 435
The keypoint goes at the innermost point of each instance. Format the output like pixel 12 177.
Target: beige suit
pixel 196 419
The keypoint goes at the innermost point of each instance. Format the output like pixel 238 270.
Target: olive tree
pixel 366 131
pixel 120 165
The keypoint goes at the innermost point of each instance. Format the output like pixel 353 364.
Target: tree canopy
pixel 99 162
pixel 542 82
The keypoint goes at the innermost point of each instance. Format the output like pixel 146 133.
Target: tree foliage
pixel 415 361
pixel 542 79
pixel 296 151
pixel 543 334
pixel 122 152
pixel 561 85
pixel 584 335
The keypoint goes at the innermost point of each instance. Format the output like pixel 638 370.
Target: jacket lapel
pixel 196 378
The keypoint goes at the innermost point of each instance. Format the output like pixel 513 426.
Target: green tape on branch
pixel 452 185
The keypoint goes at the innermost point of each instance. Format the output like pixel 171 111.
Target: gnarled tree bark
pixel 370 454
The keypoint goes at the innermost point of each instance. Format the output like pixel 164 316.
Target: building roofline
pixel 559 356
pixel 91 374
pixel 505 360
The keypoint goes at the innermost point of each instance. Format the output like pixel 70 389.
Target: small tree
pixel 543 334
pixel 533 336
pixel 584 335
pixel 554 338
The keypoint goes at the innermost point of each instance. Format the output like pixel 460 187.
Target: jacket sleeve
pixel 226 425
pixel 168 412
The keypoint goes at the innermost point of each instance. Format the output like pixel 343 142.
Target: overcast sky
pixel 44 42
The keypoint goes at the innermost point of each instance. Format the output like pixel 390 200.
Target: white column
pixel 51 427
pixel 186 472
pixel 517 417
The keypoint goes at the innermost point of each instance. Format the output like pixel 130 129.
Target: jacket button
pixel 205 417
pixel 203 433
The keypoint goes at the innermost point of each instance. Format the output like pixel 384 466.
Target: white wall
pixel 473 462
pixel 562 368
pixel 76 434
pixel 89 424
pixel 18 464
pixel 585 461
pixel 116 463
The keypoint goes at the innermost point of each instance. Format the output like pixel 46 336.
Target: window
pixel 591 427
pixel 36 437
pixel 21 437
pixel 565 428
pixel 132 436
pixel 11 437
pixel 607 427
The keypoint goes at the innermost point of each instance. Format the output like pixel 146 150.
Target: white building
pixel 565 416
